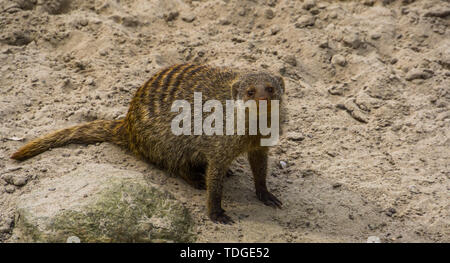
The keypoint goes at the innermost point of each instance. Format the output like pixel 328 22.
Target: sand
pixel 366 148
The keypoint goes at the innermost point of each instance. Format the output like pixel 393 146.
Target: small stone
pixel 283 164
pixel 336 185
pixel 304 21
pixel 242 12
pixel 339 60
pixel 442 12
pixel 224 22
pixel 291 60
pixel 73 239
pixel 337 89
pixel 10 189
pixel 375 36
pixel 373 239
pixel 413 189
pixel 16 179
pixel 295 136
pixel 269 14
pixel 352 40
pixel 188 18
pixel 391 211
pixel 369 2
pixel 419 74
pixel 90 81
pixel 333 15
pixel 84 22
pixel 103 52
pixel 275 29
pixel 171 16
pixel 308 4
pixel 323 43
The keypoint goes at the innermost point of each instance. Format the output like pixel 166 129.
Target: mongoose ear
pixel 235 89
pixel 280 83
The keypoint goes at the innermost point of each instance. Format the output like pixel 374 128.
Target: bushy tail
pixel 91 132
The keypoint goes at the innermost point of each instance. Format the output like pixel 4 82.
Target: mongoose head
pixel 258 86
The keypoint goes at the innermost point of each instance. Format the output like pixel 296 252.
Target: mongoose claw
pixel 269 199
pixel 221 217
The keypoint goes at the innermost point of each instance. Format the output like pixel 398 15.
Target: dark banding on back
pixel 181 77
pixel 169 80
pixel 152 88
pixel 170 75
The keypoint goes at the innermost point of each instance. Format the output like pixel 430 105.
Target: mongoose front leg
pixel 258 163
pixel 214 185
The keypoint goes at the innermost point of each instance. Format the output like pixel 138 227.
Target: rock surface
pixel 99 203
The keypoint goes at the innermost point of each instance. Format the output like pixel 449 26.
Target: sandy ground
pixel 367 145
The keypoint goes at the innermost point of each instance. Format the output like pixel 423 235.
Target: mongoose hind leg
pixel 258 163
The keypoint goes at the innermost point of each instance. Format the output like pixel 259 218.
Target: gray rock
pixel 275 29
pixel 419 74
pixel 291 60
pixel 188 18
pixel 339 60
pixel 304 21
pixel 269 14
pixel 99 203
pixel 373 239
pixel 15 179
pixel 10 189
pixel 308 4
pixel 295 136
pixel 352 40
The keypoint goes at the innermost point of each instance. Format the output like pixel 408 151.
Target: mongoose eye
pixel 269 89
pixel 251 92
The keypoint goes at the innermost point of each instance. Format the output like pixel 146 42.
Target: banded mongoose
pixel 146 129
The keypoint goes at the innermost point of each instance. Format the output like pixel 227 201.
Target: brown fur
pixel 146 130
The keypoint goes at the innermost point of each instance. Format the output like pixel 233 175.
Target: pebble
pixel 373 239
pixel 275 29
pixel 308 4
pixel 291 60
pixel 188 18
pixel 17 180
pixel 336 185
pixel 73 239
pixel 391 211
pixel 339 60
pixel 304 21
pixel 419 74
pixel 283 164
pixel 375 36
pixel 352 40
pixel 269 14
pixel 171 16
pixel 323 43
pixel 413 189
pixel 10 189
pixel 295 136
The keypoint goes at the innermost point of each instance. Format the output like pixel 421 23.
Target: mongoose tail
pixel 91 132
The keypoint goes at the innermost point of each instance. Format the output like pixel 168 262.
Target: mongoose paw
pixel 269 199
pixel 221 218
